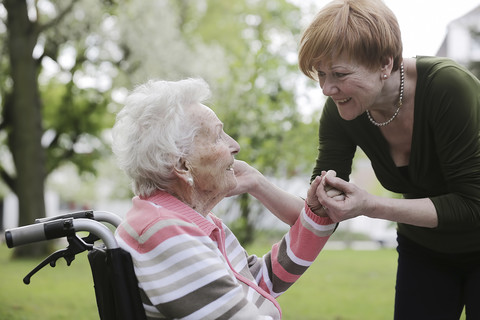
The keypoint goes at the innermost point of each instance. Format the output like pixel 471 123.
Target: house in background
pixel 462 41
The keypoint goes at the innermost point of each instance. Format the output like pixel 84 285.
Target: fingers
pixel 328 175
pixel 312 199
pixel 339 197
pixel 313 187
pixel 332 192
pixel 322 191
pixel 333 182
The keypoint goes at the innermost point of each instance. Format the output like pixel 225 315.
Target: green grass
pixel 340 285
pixel 62 292
pixel 343 285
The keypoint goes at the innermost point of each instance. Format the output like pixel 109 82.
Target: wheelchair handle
pixel 58 229
pixel 103 216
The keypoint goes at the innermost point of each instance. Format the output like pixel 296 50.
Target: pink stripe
pixel 278 270
pixel 160 236
pixel 315 244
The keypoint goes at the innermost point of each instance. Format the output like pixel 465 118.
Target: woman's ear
pixel 182 171
pixel 387 65
pixel 386 68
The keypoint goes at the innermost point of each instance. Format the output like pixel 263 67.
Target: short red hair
pixel 366 30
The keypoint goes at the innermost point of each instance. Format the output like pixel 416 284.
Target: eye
pixel 220 135
pixel 340 75
pixel 320 74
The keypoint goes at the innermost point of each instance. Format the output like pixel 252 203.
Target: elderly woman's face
pixel 213 153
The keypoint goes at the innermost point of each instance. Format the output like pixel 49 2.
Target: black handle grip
pixel 39 232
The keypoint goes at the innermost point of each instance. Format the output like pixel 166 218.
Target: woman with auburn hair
pixel 418 121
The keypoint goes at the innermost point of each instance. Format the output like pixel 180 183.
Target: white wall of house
pixel 459 43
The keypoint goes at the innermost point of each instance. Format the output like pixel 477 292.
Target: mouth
pixel 343 100
pixel 230 167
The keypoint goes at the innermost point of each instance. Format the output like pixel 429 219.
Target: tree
pixel 83 56
pixel 22 114
pixel 256 99
pixel 36 34
pixel 246 50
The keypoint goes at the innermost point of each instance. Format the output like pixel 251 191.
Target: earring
pixel 190 181
pixel 385 76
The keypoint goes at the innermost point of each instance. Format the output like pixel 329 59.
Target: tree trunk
pixel 249 228
pixel 25 120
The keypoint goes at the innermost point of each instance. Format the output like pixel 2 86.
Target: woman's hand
pixel 281 203
pixel 247 178
pixel 354 203
pixel 313 200
pixel 358 202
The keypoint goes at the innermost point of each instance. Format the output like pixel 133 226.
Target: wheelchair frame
pixel 116 286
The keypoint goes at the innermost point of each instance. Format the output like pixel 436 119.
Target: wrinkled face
pixel 212 157
pixel 353 87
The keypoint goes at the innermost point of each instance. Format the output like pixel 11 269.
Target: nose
pixel 234 146
pixel 328 87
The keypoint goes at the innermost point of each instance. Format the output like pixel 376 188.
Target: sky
pixel 423 23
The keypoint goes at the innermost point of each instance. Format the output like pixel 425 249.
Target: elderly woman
pixel 418 121
pixel 188 263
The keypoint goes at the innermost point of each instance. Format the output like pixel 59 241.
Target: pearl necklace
pixel 400 102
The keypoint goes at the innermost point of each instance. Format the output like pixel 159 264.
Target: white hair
pixel 152 132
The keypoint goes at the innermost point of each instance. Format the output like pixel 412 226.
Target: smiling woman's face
pixel 353 87
pixel 211 159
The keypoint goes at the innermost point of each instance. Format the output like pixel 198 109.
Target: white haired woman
pixel 188 263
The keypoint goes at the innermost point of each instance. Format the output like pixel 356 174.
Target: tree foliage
pixel 68 66
pixel 36 35
pixel 256 99
pixel 246 50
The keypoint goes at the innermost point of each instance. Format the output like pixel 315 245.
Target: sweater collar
pixel 172 203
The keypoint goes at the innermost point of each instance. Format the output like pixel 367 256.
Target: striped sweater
pixel 192 267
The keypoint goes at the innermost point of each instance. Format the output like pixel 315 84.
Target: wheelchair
pixel 116 286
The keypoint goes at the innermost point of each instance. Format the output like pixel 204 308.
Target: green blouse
pixel 444 160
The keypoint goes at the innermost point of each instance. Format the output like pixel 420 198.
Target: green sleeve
pixel 455 122
pixel 335 148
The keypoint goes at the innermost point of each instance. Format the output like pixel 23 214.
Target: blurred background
pixel 67 66
pixel 65 70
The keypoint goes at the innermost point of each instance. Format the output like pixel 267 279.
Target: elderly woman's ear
pixel 183 172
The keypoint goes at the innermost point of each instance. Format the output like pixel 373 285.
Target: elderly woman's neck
pixel 199 202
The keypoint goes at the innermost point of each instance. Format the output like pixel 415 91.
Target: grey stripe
pixel 319 233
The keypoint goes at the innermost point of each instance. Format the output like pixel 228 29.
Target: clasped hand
pixel 320 188
pixel 337 198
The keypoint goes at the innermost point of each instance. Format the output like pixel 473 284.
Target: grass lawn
pixel 344 285
pixel 62 292
pixel 340 285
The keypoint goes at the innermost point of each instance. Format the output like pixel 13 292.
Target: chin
pixel 232 185
pixel 348 117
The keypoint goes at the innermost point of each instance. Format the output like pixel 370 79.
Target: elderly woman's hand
pixel 312 198
pixel 247 178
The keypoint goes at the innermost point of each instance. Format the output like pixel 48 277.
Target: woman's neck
pixel 198 201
